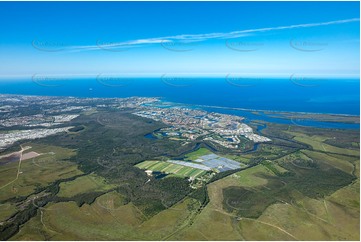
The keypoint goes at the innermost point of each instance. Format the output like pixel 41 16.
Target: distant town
pixel 22 119
pixel 192 124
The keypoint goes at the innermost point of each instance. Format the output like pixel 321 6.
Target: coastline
pixel 312 119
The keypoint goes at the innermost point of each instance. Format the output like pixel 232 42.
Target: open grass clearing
pixel 84 184
pixel 21 179
pixel 198 153
pixel 317 143
pixel 341 164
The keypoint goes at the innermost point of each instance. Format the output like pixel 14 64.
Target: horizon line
pixel 184 75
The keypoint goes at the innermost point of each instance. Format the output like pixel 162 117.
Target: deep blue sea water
pixel 336 96
pixel 327 96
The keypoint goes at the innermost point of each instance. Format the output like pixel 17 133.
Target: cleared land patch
pixel 195 154
pixel 21 179
pixel 108 218
pixel 84 184
pixel 202 161
pixel 171 168
pixel 317 143
pixel 335 162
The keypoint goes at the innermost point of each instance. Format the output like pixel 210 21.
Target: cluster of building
pixel 192 124
pixel 41 115
pixel 183 123
pixel 11 137
pixel 37 120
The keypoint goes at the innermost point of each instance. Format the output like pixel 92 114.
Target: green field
pixel 301 186
pixel 243 159
pixel 338 163
pixel 196 154
pixel 67 221
pixel 299 196
pixel 108 218
pixel 84 184
pixel 169 168
pixel 317 143
pixel 50 166
pixel 6 210
pixel 283 212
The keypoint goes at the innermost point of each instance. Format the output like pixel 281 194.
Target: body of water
pixel 335 96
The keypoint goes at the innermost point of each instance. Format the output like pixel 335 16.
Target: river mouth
pixel 280 119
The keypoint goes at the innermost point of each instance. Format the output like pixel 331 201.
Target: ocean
pixel 327 96
pixel 334 96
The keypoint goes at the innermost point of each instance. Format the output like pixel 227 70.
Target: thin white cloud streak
pixel 189 38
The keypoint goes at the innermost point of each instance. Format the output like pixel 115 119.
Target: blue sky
pixel 191 38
